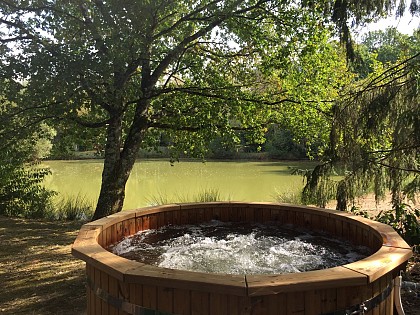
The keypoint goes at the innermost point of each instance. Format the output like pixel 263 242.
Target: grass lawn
pixel 38 275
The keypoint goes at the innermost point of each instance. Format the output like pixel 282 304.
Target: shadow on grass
pixel 38 274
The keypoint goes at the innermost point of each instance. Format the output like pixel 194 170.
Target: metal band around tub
pixel 121 304
pixel 367 305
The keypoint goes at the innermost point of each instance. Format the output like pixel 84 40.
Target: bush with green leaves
pixel 22 145
pixel 21 190
pixel 405 220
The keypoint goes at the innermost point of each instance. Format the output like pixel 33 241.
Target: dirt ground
pixel 38 275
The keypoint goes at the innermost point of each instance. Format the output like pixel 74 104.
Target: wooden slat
pixel 339 227
pixel 224 214
pixel 234 214
pixel 218 304
pixel 104 286
pixel 97 282
pixel 176 220
pixel 217 213
pixel 182 305
pixel 123 294
pixel 299 219
pixel 200 215
pixel 146 223
pixel 307 220
pixel 139 224
pixel 366 235
pixel 169 217
pixel 295 303
pixel 312 302
pixel 376 291
pixel 132 226
pixel 250 214
pixel 316 222
pixel 360 236
pixel 126 228
pixel 270 304
pixel 291 217
pixel 192 216
pixel 390 300
pixel 119 231
pixel 259 215
pixel 90 274
pixel 241 214
pixel 184 217
pixel 383 285
pixel 235 305
pixel 266 215
pixel 200 303
pixel 276 303
pixel 275 216
pixel 136 297
pixel 113 291
pixel 348 296
pixel 165 299
pixel 153 221
pixel 150 296
pixel 160 220
pixel 208 214
pixel 328 300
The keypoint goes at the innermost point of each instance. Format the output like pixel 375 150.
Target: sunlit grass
pixel 74 208
pixel 292 196
pixel 205 195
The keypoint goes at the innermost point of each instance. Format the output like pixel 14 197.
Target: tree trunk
pixel 118 164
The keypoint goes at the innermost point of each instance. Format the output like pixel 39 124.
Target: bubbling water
pixel 238 248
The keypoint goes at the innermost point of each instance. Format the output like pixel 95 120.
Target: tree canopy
pixel 193 68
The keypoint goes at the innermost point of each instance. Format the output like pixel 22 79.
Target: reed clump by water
pixel 292 196
pixel 74 208
pixel 205 195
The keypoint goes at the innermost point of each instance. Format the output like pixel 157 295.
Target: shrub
pixel 22 193
pixel 405 220
pixel 74 208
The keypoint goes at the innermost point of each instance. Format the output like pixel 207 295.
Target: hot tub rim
pixel 86 247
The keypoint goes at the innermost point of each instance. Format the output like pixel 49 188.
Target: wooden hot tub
pixel 120 286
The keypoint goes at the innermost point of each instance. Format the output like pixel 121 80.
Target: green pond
pixel 153 180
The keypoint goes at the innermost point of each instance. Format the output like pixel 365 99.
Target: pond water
pixel 153 180
pixel 238 248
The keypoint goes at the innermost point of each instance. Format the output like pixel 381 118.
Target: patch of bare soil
pixel 38 275
pixel 369 204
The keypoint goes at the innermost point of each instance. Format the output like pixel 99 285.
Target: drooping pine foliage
pixel 375 139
